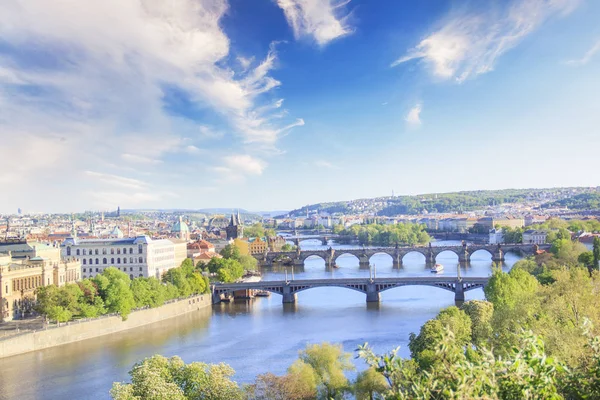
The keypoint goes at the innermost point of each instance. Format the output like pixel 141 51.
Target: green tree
pixel 596 252
pixel 369 383
pixel 114 287
pixel 159 378
pixel 480 312
pixel 329 363
pixel 230 251
pixel 59 314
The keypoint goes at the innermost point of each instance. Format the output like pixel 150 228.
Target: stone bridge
pixel 297 239
pixel 372 287
pixel 330 255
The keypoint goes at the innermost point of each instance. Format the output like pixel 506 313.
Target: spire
pixel 73 230
pixel 239 220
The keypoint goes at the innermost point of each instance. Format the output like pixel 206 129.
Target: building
pixel 235 229
pixel 22 249
pixel 276 243
pixel 200 247
pixel 181 230
pixel 534 237
pixel 20 277
pixel 139 256
pixel 496 236
pixel 258 246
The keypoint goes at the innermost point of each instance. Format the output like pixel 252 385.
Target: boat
pixel 262 293
pixel 437 268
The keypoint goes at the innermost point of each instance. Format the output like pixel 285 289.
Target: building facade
pixel 20 277
pixel 235 229
pixel 534 237
pixel 138 257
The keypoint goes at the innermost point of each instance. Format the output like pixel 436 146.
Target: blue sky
pixel 273 104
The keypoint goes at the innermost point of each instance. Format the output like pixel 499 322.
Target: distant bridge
pixel 330 255
pixel 372 287
pixel 324 238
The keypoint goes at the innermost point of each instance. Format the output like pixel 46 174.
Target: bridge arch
pixel 312 256
pixel 388 255
pixel 447 287
pixel 347 255
pixel 481 251
pixel 358 288
pixel 416 253
pixel 446 253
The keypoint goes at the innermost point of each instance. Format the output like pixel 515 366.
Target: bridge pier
pixel 363 260
pixel 324 241
pixel 288 296
pixel 463 257
pixel 373 295
pixel 498 255
pixel 459 292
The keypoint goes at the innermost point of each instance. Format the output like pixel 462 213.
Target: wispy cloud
pixel 238 167
pixel 414 116
pixel 116 180
pixel 326 164
pixel 587 56
pixel 469 44
pixel 324 20
pixel 95 74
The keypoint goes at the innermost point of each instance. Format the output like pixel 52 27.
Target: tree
pixel 480 312
pixel 158 378
pixel 329 363
pixel 114 287
pixel 453 319
pixel 587 259
pixel 292 386
pixel 248 262
pixel 59 314
pixel 369 383
pixel 231 252
pixel 596 252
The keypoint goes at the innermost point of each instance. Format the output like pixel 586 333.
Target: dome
pixel 116 233
pixel 180 226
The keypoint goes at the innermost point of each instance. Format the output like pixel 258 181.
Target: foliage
pixel 596 252
pixel 525 373
pixel 114 292
pixel 159 377
pixel 583 201
pixel 369 383
pixel 258 231
pixel 231 251
pixel 385 235
pixel 328 363
pixel 226 269
pixel 512 235
pixel 480 312
pixel 288 247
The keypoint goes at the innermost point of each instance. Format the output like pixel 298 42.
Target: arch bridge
pixel 371 287
pixel 464 253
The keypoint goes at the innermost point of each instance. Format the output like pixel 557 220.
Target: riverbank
pixel 75 331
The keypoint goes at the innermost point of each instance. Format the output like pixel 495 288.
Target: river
pixel 254 336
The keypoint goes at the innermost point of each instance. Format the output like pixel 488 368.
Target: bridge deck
pixel 414 280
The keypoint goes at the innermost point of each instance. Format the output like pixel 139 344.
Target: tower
pixel 235 229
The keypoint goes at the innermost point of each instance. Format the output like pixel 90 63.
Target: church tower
pixel 235 230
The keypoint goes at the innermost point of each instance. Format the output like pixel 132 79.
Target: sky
pixel 275 104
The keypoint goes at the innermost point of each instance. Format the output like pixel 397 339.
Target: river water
pixel 254 336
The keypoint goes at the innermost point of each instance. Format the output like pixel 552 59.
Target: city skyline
pixel 277 104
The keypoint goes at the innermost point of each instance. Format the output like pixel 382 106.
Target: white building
pixel 496 236
pixel 139 256
pixel 534 237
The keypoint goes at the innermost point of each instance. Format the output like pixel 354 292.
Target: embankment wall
pixel 75 331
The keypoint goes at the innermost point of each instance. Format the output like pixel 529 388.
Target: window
pixel 140 268
pixel 96 269
pixel 112 251
pixel 124 260
pixel 131 250
pixel 103 251
pixel 90 252
pixel 104 260
pixel 141 275
pixel 141 260
pixel 84 270
pixel 118 260
pixel 130 268
pixel 83 252
pixel 131 276
pixel 140 249
pixel 97 261
pixel 90 262
pixel 124 250
pixel 77 252
pixel 131 260
pixel 118 251
pixel 96 251
pixel 84 261
pixel 112 260
pixel 69 251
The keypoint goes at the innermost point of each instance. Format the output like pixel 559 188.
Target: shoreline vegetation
pixel 536 336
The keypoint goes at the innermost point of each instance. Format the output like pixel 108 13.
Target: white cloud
pixel 587 56
pixel 135 158
pixel 191 149
pixel 414 116
pixel 326 164
pixel 469 44
pixel 116 180
pixel 97 74
pixel 324 20
pixel 245 164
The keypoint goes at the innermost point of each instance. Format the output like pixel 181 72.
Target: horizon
pixel 277 104
pixel 281 209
